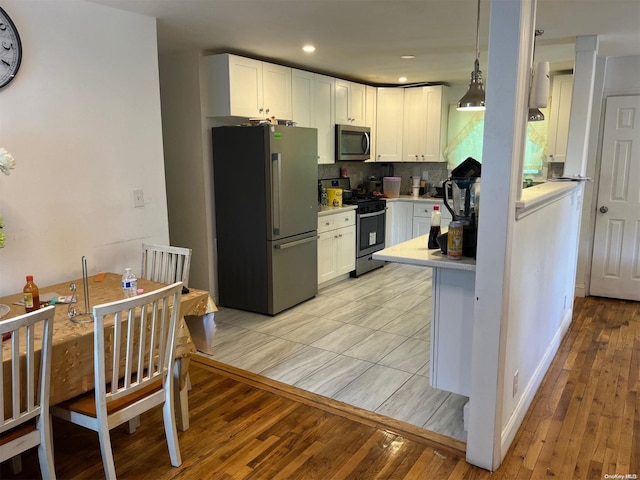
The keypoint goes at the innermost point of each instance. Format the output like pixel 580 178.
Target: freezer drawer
pixel 294 271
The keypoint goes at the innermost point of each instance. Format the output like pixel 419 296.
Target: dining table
pixel 72 359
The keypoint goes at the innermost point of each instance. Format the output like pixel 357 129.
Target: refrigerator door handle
pixel 295 243
pixel 276 178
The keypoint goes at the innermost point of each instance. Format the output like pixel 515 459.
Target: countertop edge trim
pixel 550 192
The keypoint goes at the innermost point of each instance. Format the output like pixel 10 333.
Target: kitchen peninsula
pixel 453 290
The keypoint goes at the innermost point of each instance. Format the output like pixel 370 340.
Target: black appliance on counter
pixel 371 211
pixel 462 199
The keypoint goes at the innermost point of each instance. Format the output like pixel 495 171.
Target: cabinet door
pixel 414 129
pixel 357 104
pixel 402 222
pixel 276 84
pixel 303 98
pixel 346 250
pixel 370 118
pixel 389 120
pixel 325 119
pixel 421 226
pixel 245 84
pixel 436 114
pixel 388 227
pixel 326 256
pixel 342 102
pixel 560 113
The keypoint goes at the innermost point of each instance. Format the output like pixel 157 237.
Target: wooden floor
pixel 584 424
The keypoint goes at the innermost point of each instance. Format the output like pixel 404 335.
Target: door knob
pixel 604 209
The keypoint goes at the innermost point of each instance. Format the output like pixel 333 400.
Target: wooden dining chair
pixel 165 264
pixel 24 401
pixel 134 343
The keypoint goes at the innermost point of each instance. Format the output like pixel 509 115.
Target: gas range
pixel 367 204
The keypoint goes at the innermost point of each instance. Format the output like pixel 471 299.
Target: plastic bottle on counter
pixel 31 295
pixel 434 232
pixel 129 284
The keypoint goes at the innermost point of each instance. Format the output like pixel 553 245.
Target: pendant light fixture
pixel 473 100
pixel 539 87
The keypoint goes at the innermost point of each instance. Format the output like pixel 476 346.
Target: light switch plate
pixel 138 198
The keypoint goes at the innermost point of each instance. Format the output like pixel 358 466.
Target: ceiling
pixel 363 40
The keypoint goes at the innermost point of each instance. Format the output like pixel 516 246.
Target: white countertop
pixel 326 210
pixel 411 198
pixel 415 252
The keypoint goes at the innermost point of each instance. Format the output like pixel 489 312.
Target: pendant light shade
pixel 539 87
pixel 473 100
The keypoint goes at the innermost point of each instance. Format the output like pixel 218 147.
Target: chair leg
pixel 107 453
pixel 181 398
pixel 45 449
pixel 171 431
pixel 133 424
pixel 15 464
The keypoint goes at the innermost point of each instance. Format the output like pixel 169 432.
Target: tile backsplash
pixel 359 172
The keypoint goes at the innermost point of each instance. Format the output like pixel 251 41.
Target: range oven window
pixel 371 232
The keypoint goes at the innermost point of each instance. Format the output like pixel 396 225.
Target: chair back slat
pixel 166 264
pixel 144 330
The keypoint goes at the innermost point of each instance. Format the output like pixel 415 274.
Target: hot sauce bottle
pixel 31 295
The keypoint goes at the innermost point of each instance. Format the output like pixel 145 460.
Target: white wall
pixel 188 186
pixel 82 119
pixel 540 306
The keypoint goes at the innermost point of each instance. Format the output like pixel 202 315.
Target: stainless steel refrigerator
pixel 266 204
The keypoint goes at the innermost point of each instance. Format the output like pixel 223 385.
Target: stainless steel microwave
pixel 352 143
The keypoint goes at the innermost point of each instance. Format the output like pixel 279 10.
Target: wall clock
pixel 10 49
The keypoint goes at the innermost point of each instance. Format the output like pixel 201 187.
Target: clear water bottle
pixel 129 283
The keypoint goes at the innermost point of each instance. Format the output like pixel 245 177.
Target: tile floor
pixel 361 341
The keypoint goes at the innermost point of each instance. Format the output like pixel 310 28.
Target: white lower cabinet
pixel 411 219
pixel 401 222
pixel 336 245
pixel 422 217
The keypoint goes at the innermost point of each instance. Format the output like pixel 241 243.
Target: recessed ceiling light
pixel 309 48
pixel 402 79
pixel 408 57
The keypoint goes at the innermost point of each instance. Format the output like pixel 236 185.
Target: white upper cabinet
pixel 244 87
pixel 350 103
pixel 370 117
pixel 325 117
pixel 389 123
pixel 313 100
pixel 303 98
pixel 411 124
pixel 559 115
pixel 424 123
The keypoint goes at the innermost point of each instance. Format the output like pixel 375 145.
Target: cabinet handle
pixel 422 157
pixel 267 111
pixel 340 235
pixel 261 110
pixel 327 223
pixel 416 157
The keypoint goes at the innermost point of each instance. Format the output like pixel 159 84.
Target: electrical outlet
pixel 138 198
pixel 515 383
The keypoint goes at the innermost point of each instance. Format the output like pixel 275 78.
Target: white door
pixel 615 270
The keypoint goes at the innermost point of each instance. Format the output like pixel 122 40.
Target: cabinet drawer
pixel 338 220
pixel 424 209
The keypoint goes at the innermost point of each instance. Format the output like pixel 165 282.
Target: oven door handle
pixel 374 214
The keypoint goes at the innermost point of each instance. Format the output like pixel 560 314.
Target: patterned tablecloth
pixel 72 354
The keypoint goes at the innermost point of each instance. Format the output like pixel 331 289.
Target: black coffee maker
pixel 462 199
